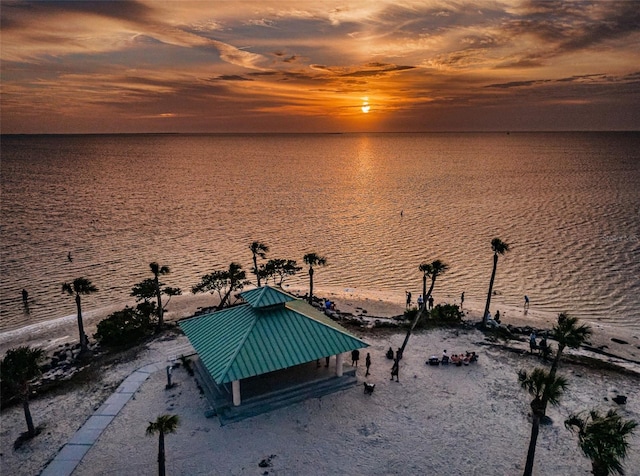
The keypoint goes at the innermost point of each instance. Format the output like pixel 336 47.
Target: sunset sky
pixel 319 66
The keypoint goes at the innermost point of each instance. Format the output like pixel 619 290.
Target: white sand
pixel 438 420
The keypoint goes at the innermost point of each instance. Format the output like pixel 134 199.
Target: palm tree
pixel 433 270
pixel 222 282
pixel 237 280
pixel 164 424
pixel 312 260
pixel 499 247
pixel 158 270
pixel 80 286
pixel 542 386
pixel 258 249
pixel 17 369
pixel 568 334
pixel 602 439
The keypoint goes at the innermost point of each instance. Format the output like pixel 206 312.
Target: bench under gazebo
pixel 270 351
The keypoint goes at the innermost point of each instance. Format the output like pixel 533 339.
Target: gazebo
pixel 273 336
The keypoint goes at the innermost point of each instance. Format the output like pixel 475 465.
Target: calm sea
pixel 567 203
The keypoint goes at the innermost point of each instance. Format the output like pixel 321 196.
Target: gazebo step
pixel 274 400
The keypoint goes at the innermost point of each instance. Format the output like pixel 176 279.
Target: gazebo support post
pixel 339 359
pixel 235 387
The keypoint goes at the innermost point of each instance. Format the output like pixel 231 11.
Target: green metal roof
pixel 244 341
pixel 266 296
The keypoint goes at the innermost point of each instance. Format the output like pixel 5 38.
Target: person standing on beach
pixel 420 302
pixel 532 342
pixel 408 298
pixel 526 302
pixel 25 297
pixel 395 370
pixel 461 299
pixel 367 362
pixel 430 302
pixel 355 356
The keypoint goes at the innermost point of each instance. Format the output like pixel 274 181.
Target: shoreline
pixel 622 343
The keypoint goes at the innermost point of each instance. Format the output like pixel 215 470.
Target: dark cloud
pixel 284 58
pixel 232 77
pixel 570 26
pixel 125 9
pixel 262 73
pixel 526 62
pixel 377 70
pixel 513 84
pixel 581 79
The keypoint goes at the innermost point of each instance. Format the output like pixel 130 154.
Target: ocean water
pixel 375 205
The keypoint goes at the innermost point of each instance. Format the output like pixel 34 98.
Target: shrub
pixel 123 328
pixel 447 313
pixel 410 314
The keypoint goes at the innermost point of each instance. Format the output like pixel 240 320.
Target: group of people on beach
pixel 355 357
pixel 543 346
pixel 420 300
pixel 456 359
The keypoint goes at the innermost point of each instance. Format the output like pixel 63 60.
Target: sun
pixel 365 105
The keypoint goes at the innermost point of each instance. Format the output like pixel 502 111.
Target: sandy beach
pixel 437 420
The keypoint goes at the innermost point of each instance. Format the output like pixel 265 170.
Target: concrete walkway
pixel 68 458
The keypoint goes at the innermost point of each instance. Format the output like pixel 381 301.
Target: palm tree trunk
pixel 225 298
pixel 598 469
pixel 531 453
pixel 556 360
pixel 419 314
pixel 161 458
pixel 428 295
pixel 255 267
pixel 310 285
pixel 493 277
pixel 83 337
pixel 160 310
pixel 424 290
pixel 27 415
pixel 552 374
pixel 406 338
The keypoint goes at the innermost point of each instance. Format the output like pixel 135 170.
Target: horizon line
pixel 505 131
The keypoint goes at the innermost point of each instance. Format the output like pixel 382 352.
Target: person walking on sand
pixel 25 296
pixel 462 300
pixel 367 362
pixel 526 302
pixel 395 370
pixel 355 356
pixel 408 298
pixel 532 342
